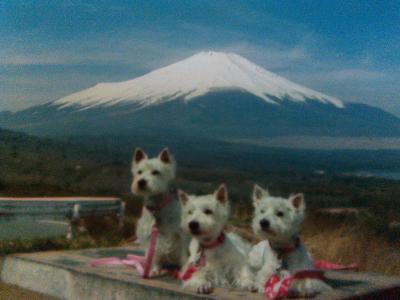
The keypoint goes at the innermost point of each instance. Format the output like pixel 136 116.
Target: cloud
pixel 57 57
pixel 345 75
pixel 369 86
pixel 134 49
pixel 122 59
pixel 358 79
pixel 272 55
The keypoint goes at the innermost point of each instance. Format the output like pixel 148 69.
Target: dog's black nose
pixel 142 184
pixel 194 226
pixel 264 223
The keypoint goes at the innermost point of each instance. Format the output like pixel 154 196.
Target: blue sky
pixel 349 49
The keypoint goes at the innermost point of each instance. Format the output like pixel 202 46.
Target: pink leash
pixel 277 287
pixel 326 265
pixel 141 263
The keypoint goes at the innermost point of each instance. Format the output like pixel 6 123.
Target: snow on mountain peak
pixel 195 76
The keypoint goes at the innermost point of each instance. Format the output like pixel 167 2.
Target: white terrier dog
pixel 217 260
pixel 279 220
pixel 151 180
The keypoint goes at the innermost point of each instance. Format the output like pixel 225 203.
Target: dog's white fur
pixel 226 264
pixel 264 263
pixel 158 173
pixel 282 220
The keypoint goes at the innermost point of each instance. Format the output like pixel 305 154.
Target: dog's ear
pixel 139 155
pixel 165 156
pixel 221 194
pixel 298 202
pixel 259 193
pixel 183 197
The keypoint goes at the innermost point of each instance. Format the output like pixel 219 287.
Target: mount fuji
pixel 210 95
pixel 193 77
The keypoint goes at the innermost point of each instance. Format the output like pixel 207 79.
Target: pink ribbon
pixel 188 273
pixel 277 287
pixel 141 263
pixel 326 265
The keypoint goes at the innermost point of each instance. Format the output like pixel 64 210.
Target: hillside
pixel 37 166
pixel 101 166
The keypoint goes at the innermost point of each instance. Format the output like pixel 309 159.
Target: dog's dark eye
pixel 189 212
pixel 140 172
pixel 262 211
pixel 208 211
pixel 156 172
pixel 279 214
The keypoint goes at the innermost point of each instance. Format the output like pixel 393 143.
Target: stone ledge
pixel 66 274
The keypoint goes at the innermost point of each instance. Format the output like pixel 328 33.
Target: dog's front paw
pixel 247 280
pixel 200 286
pixel 248 285
pixel 260 285
pixel 205 288
pixel 308 288
pixel 261 280
pixel 158 271
pixel 292 293
pixel 252 288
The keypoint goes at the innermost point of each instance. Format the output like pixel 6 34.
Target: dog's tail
pixel 241 244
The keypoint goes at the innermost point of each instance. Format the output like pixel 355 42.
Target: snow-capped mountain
pixel 213 95
pixel 193 77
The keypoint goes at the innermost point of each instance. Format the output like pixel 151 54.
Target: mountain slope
pixel 196 76
pixel 209 95
pixel 218 115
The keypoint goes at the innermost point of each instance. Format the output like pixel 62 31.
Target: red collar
pixel 167 200
pixel 281 252
pixel 201 262
pixel 220 240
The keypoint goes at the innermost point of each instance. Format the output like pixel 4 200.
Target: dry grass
pixel 350 238
pixel 361 238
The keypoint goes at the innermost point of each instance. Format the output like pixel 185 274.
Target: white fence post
pixel 74 219
pixel 121 214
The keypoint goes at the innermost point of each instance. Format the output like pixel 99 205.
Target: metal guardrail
pixel 62 208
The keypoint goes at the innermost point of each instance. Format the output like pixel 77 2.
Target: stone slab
pixel 67 275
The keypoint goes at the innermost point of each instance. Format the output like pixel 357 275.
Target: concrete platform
pixel 66 275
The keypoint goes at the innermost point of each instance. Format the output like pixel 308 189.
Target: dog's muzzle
pixel 194 227
pixel 265 224
pixel 142 184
